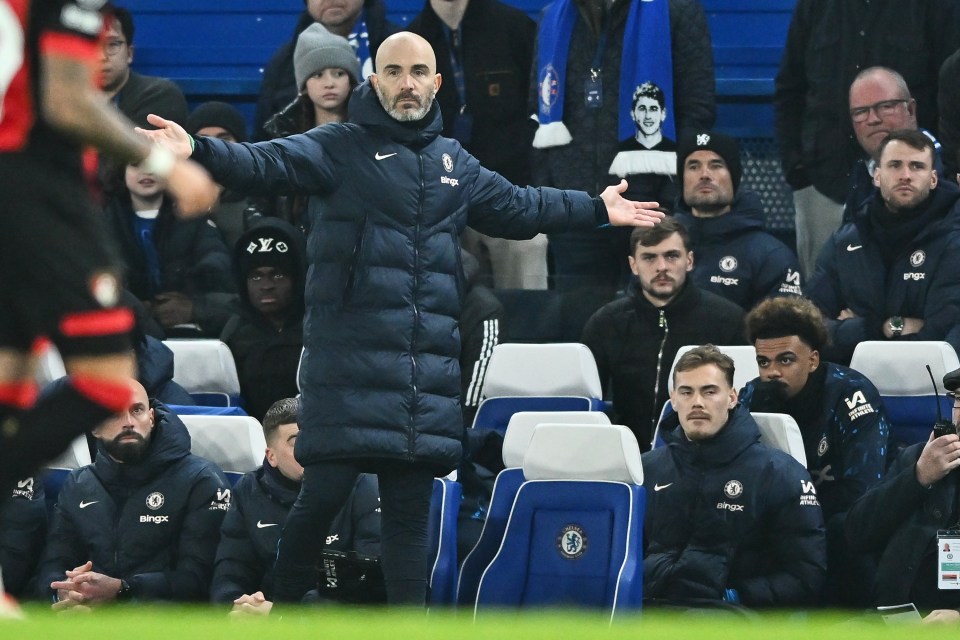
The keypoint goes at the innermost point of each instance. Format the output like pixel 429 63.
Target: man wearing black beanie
pixel 735 257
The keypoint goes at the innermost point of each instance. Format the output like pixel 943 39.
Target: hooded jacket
pixel 267 358
pixel 252 527
pixel 380 374
pixel 635 343
pixel 922 279
pixel 735 258
pixel 730 513
pixel 154 523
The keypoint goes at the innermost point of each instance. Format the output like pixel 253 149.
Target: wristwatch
pixel 124 593
pixel 896 326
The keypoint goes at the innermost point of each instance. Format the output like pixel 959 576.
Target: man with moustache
pixel 380 377
pixel 140 523
pixel 736 258
pixel 634 339
pixel 728 519
pixel 893 273
pixel 841 419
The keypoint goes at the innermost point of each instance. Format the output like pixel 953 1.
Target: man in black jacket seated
pixel 142 522
pixel 634 339
pixel 910 521
pixel 261 500
pixel 728 519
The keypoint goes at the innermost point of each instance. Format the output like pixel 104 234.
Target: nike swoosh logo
pixel 261 525
pixel 854 247
pixel 658 487
pixel 84 505
pixel 383 157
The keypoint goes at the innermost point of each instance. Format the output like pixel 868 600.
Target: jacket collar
pixel 365 110
pixel 740 432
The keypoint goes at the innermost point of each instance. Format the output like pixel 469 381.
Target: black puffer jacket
pixel 380 374
pixel 730 513
pixel 585 162
pixel 155 523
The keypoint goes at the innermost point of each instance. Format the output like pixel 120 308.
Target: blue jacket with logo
pixel 252 527
pixel 923 281
pixel 734 257
pixel 155 523
pixel 844 428
pixel 380 374
pixel 730 513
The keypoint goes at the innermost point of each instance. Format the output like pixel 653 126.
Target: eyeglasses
pixel 883 109
pixel 112 47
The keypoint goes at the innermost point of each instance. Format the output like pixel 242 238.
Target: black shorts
pixel 58 277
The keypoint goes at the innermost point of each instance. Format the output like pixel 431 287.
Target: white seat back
pixel 49 367
pixel 583 452
pixel 235 443
pixel 562 369
pixel 899 368
pixel 516 440
pixel 744 361
pixel 780 431
pixel 75 456
pixel 204 366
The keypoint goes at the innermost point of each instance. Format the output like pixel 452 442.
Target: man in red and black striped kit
pixel 57 278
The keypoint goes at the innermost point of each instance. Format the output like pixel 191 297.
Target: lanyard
pixel 596 69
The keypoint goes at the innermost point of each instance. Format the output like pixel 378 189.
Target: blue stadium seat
pixel 206 370
pixel 442 527
pixel 898 370
pixel 574 534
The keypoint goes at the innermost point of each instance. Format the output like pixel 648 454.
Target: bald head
pixel 405 44
pixel 406 80
pixel 126 436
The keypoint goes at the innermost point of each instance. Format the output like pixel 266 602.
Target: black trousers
pixel 405 491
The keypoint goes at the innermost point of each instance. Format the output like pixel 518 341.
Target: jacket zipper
pixel 656 383
pixel 411 430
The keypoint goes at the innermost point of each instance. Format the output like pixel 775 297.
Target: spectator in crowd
pixel 233 213
pixel 23 529
pixel 841 418
pixel 828 43
pixel 583 116
pixel 909 521
pixel 179 268
pixel 326 70
pixel 485 48
pixel 880 102
pixel 266 336
pixel 362 22
pixel 259 506
pixel 891 274
pixel 635 339
pixel 736 258
pixel 948 107
pixel 142 522
pixel 380 374
pixel 727 519
pixel 134 94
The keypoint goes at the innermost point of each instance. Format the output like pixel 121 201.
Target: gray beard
pixel 405 115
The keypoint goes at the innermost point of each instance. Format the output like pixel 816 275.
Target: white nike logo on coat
pixel 261 525
pixel 854 247
pixel 383 157
pixel 658 487
pixel 84 505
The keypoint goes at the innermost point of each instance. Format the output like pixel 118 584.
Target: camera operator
pixel 911 520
